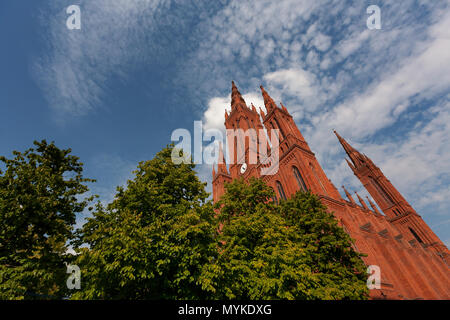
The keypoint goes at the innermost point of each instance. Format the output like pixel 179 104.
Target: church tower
pixel 298 168
pixel 398 211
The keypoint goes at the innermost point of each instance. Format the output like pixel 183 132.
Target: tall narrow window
pixel 273 127
pixel 318 179
pixel 383 193
pixel 298 177
pixel 281 191
pixel 279 127
pixel 274 197
pixel 415 235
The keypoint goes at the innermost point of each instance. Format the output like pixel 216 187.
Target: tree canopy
pixel 294 250
pixel 156 240
pixel 40 192
pixel 163 238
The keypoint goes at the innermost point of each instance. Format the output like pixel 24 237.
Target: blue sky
pixel 138 69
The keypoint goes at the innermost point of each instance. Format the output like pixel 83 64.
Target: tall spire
pixel 268 101
pixel 356 157
pixel 349 196
pixel 236 97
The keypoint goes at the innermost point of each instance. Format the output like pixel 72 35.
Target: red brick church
pixel 414 262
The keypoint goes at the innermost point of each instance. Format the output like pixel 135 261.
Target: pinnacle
pixel 268 101
pixel 236 97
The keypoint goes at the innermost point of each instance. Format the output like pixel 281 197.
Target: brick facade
pixel 414 262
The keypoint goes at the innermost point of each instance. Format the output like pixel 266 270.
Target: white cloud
pixel 321 42
pixel 296 83
pixel 418 77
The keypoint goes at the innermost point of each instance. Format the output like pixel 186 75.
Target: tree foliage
pixel 294 250
pixel 156 240
pixel 39 198
pixel 162 237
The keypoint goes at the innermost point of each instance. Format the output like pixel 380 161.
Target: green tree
pixel 40 193
pixel 294 250
pixel 156 240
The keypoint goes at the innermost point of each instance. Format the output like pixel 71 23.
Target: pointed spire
pixel 236 97
pixel 268 101
pixel 226 115
pixel 356 157
pixel 263 115
pixel 213 171
pixel 283 107
pixel 222 166
pixel 253 108
pixel 349 196
pixel 362 201
pixel 374 207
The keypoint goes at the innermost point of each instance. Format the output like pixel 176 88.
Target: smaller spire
pixel 226 115
pixel 268 101
pixel 349 196
pixel 356 157
pixel 222 166
pixel 263 115
pixel 213 171
pixel 236 97
pixel 374 207
pixel 283 107
pixel 362 201
pixel 253 108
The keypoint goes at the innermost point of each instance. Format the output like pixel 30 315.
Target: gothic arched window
pixel 279 128
pixel 274 197
pixel 281 190
pixel 415 235
pixel 298 177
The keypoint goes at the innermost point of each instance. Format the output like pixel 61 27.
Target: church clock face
pixel 243 168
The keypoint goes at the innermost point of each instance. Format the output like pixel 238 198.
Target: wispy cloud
pixel 386 90
pixel 117 38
